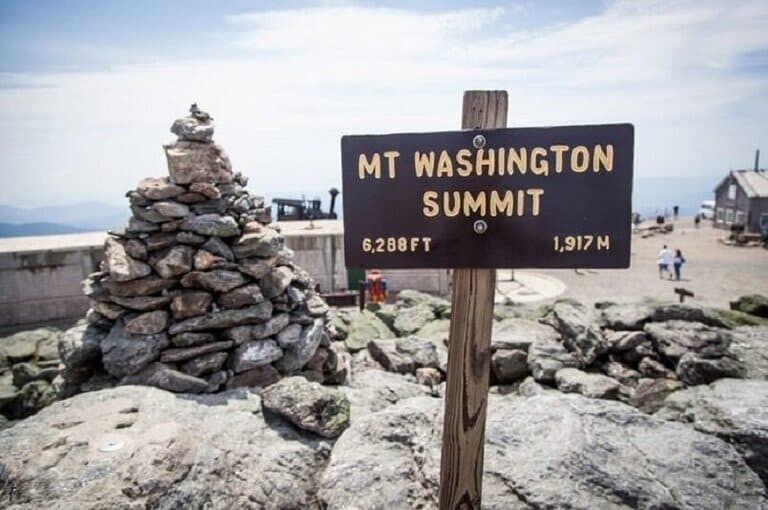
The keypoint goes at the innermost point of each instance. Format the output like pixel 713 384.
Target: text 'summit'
pixel 492 162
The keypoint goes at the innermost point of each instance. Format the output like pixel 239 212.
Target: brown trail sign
pixel 476 200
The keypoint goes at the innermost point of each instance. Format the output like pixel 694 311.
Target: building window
pixel 731 192
pixel 729 216
pixel 739 218
pixel 720 214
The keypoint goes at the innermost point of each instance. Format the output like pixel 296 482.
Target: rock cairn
pixel 198 293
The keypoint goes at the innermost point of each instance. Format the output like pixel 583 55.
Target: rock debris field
pixel 209 374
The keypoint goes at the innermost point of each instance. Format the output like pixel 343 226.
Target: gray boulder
pixel 519 334
pixel 255 354
pixel 166 377
pixel 308 405
pixel 211 225
pixel 31 398
pixel 264 243
pixel 750 347
pixel 509 366
pixel 695 369
pixel 158 188
pixel 438 330
pixel 389 459
pixel 410 320
pixel 649 394
pixel 578 325
pixel 572 380
pixel 193 129
pixel 689 313
pixel 80 345
pixel 140 447
pixel 547 451
pixel 753 304
pixel 224 319
pixel 371 390
pixel 731 409
pixel 120 265
pixel 621 372
pixel 674 338
pixel 546 358
pixel 620 341
pixel 38 343
pixel 276 281
pixel 363 327
pixel 297 355
pixel 124 353
pixel 404 355
pixel 408 298
pixel 626 316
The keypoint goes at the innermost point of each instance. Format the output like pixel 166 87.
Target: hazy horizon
pixel 88 91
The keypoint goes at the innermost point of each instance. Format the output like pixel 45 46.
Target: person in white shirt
pixel 665 260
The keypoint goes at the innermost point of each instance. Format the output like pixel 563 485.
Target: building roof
pixel 753 182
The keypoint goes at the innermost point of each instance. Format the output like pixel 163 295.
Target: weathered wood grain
pixel 469 351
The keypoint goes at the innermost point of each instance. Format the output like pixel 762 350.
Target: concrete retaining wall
pixel 40 276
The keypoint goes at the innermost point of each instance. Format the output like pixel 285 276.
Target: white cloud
pixel 311 75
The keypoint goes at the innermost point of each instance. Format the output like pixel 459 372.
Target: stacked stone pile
pixel 198 292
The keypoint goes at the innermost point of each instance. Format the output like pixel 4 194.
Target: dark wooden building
pixel 742 199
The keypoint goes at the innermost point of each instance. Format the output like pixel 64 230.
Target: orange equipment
pixel 376 286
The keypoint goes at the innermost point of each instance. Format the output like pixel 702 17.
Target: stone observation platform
pixel 40 276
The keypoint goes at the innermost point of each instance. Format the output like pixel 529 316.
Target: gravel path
pixel 714 272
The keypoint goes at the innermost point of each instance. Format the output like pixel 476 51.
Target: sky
pixel 89 90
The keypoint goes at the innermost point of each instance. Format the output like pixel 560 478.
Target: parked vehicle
pixel 707 210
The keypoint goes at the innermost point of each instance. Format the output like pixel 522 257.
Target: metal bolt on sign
pixel 480 227
pixel 478 141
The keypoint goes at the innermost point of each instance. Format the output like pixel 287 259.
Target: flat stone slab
pixel 547 451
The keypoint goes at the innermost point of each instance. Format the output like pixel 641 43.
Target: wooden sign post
pixel 476 200
pixel 469 349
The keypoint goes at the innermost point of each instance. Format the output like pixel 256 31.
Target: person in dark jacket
pixel 677 263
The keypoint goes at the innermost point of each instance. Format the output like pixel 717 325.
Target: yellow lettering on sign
pixel 474 204
pixel 603 157
pixel 372 167
pixel 501 205
pixel 517 158
pixel 539 163
pixel 465 164
pixel 391 155
pixel 535 194
pixel 579 159
pixel 424 163
pixel 444 165
pixel 431 208
pixel 484 160
pixel 448 209
pixel 558 150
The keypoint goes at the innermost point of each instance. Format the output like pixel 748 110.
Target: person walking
pixel 677 263
pixel 697 220
pixel 664 261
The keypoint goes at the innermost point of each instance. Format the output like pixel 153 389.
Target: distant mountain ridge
pixel 60 219
pixel 36 229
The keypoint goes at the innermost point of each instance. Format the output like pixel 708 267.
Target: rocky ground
pixel 642 405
